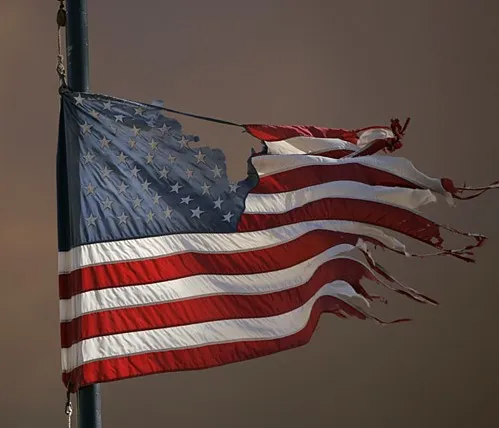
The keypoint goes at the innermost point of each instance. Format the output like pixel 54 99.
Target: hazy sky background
pixel 330 63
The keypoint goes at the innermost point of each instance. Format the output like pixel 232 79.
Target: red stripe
pixel 205 356
pixel 271 133
pixel 213 308
pixel 374 213
pixel 312 175
pixel 188 264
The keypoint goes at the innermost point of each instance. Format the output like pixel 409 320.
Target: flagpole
pixel 88 398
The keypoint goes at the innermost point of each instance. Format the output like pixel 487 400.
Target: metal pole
pixel 77 45
pixel 88 398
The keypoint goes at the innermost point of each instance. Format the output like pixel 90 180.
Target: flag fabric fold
pixel 165 264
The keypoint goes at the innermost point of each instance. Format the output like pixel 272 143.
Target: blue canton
pixel 132 173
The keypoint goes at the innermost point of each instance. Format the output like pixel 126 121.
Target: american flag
pixel 165 264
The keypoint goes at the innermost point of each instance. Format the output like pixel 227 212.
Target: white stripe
pixel 274 203
pixel 198 286
pixel 308 145
pixel 161 246
pixel 401 167
pixel 201 334
pixel 369 135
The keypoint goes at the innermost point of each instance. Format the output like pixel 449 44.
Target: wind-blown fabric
pixel 165 265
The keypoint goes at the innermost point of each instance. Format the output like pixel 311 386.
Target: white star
pixel 106 172
pixel 91 220
pixel 218 203
pixel 189 173
pixel 206 189
pixel 153 144
pixel 89 158
pixel 233 187
pixel 149 158
pixel 107 204
pixel 150 216
pixel 119 118
pixel 187 200
pixel 85 128
pixel 122 158
pixel 107 105
pixel 95 114
pixel 137 203
pixel 183 143
pixel 217 172
pixel 171 158
pixel 200 157
pixel 168 212
pixel 104 142
pixel 122 218
pixel 122 188
pixel 176 187
pixel 227 217
pixel 163 173
pixel 145 186
pixel 165 129
pixel 156 198
pixel 135 171
pixel 136 131
pixel 197 213
pixel 139 111
pixel 79 100
pixel 90 189
pixel 132 143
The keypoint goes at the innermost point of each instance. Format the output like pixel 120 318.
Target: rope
pixel 61 73
pixel 196 116
pixel 61 22
pixel 169 110
pixel 68 410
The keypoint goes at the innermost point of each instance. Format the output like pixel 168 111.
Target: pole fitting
pixel 61 14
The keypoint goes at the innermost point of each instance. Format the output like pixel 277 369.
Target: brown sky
pixel 331 63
